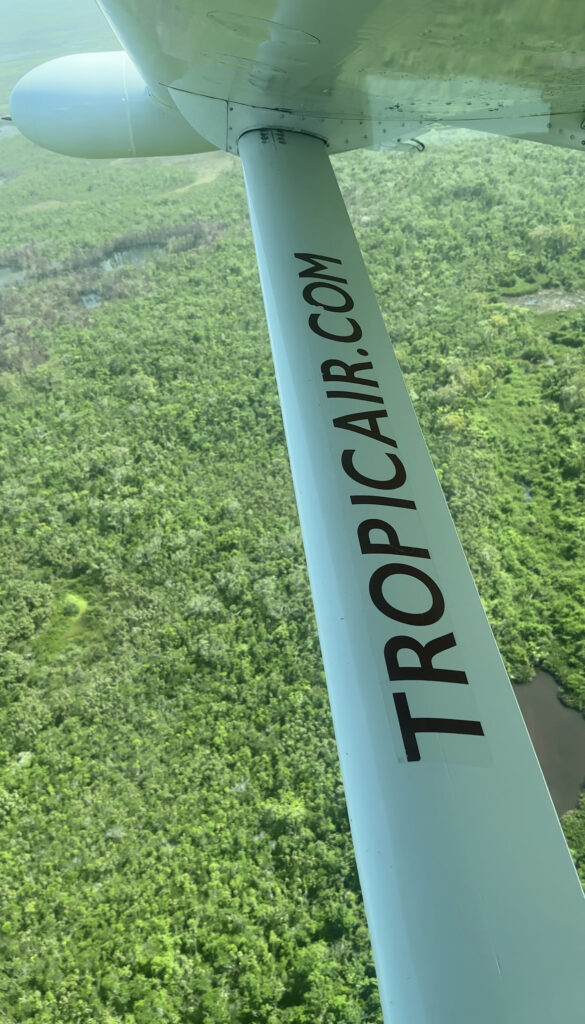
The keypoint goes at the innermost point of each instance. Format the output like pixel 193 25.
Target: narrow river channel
pixel 558 735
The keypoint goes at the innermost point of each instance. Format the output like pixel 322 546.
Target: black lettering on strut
pixel 317 266
pixel 351 422
pixel 381 485
pixel 317 329
pixel 425 654
pixel 376 536
pixel 309 297
pixel 426 618
pixel 355 395
pixel 379 499
pixel 349 373
pixel 391 546
pixel 409 726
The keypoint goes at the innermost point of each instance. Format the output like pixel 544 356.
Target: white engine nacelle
pixel 98 105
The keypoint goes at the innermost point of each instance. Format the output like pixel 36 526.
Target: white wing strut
pixel 475 911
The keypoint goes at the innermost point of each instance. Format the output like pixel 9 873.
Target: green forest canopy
pixel 175 842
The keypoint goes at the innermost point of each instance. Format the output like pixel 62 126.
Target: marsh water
pixel 10 275
pixel 547 300
pixel 132 256
pixel 558 735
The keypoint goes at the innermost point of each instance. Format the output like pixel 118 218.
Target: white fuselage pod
pixel 98 105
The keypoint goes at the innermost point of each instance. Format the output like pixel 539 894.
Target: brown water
pixel 558 735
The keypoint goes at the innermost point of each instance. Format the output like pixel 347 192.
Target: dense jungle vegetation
pixel 174 841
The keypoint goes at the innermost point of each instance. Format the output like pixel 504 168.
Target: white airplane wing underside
pixel 382 67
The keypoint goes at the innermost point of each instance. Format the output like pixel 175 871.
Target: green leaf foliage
pixel 174 838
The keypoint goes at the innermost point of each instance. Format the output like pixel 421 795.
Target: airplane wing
pixel 475 911
pixel 368 73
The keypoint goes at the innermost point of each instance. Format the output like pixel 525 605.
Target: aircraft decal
pixel 325 292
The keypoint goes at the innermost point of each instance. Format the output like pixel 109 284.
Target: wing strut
pixel 475 910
